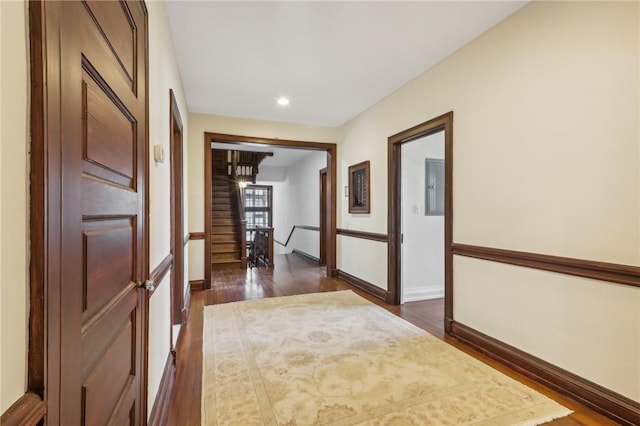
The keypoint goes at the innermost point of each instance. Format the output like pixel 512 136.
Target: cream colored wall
pixel 588 327
pixel 296 201
pixel 363 258
pixel 546 160
pixel 14 209
pixel 639 163
pixel 163 75
pixel 201 123
pixel 159 338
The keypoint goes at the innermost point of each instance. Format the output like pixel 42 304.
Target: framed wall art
pixel 359 188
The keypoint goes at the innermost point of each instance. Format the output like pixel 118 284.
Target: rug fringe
pixel 547 419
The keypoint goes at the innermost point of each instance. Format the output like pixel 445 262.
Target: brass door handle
pixel 147 285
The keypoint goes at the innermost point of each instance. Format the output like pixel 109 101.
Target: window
pixel 257 206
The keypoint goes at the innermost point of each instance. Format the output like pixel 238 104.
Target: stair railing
pixel 233 167
pixel 243 226
pixel 262 251
pixel 242 167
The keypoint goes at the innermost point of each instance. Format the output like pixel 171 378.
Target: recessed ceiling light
pixel 283 101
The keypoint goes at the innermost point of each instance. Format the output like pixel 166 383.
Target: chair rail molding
pixel 611 272
pixel 383 238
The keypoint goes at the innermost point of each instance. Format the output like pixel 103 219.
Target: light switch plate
pixel 158 153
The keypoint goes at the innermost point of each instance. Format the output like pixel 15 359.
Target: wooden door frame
pixel 441 123
pixel 176 137
pixel 45 214
pixel 332 164
pixel 324 202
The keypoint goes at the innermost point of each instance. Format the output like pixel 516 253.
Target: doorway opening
pixel 422 218
pixel 178 239
pixel 328 234
pixel 438 128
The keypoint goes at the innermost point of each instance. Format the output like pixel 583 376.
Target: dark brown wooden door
pixel 324 212
pixel 103 130
pixel 178 313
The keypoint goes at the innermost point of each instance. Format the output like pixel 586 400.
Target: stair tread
pixel 226 261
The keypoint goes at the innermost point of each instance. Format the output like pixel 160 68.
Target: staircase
pixel 226 238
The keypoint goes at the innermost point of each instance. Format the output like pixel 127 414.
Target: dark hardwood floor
pixel 296 275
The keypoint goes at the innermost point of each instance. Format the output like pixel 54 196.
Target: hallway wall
pixel 546 160
pixel 14 210
pixel 163 75
pixel 296 201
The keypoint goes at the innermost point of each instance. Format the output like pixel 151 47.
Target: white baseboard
pixel 415 294
pixel 283 250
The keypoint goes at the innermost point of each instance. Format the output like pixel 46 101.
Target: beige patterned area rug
pixel 336 359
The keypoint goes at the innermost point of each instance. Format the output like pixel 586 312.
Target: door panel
pixel 103 388
pixel 110 135
pixel 108 267
pixel 119 29
pixel 103 122
pixel 97 336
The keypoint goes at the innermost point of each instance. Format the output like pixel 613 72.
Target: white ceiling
pixel 333 59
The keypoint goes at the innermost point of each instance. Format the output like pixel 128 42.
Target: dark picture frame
pixel 359 188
